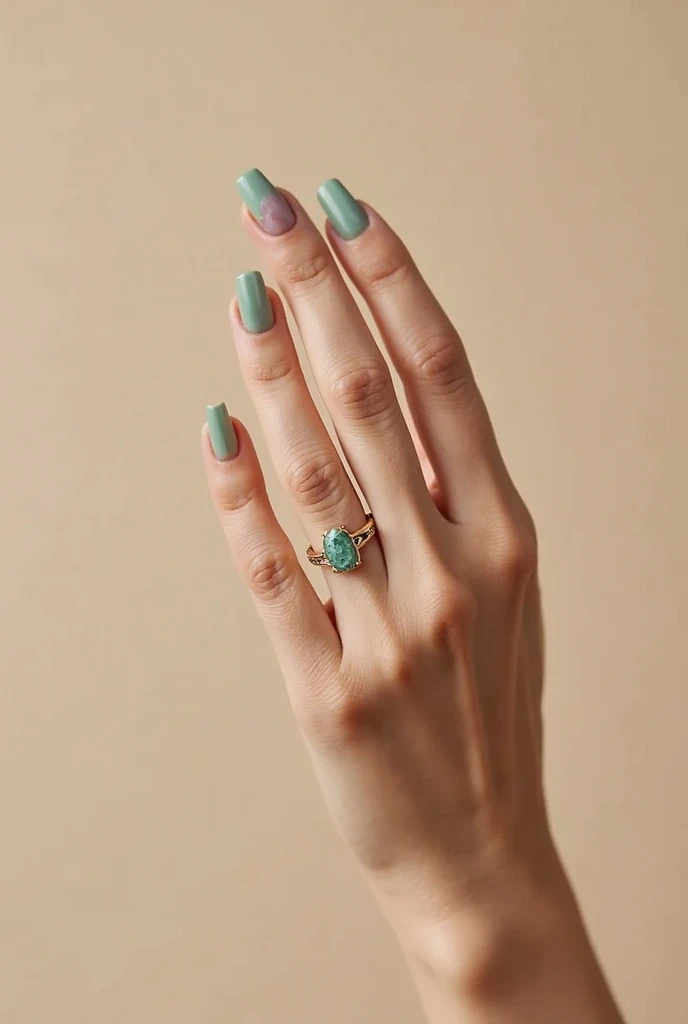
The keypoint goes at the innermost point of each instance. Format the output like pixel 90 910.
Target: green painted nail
pixel 346 216
pixel 254 302
pixel 222 435
pixel 268 206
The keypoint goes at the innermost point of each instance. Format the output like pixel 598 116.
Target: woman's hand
pixel 418 685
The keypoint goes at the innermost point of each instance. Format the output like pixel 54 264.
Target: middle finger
pixel 350 371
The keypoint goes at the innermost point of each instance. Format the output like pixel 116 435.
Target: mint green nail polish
pixel 254 302
pixel 222 435
pixel 268 206
pixel 346 216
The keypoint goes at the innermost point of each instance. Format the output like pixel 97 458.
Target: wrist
pixel 522 955
pixel 484 955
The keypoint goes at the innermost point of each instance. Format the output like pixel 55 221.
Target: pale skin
pixel 417 686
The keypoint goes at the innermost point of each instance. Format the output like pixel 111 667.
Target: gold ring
pixel 341 550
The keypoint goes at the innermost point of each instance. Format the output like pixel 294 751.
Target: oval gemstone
pixel 340 550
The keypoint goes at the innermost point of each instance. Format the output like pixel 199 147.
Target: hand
pixel 418 685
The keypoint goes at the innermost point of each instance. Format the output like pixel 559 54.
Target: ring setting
pixel 341 550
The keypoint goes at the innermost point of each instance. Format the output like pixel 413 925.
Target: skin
pixel 418 685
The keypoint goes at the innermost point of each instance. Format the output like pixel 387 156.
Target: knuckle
pixel 451 613
pixel 399 669
pixel 262 372
pixel 364 392
pixel 514 557
pixel 399 666
pixel 390 266
pixel 270 574
pixel 306 270
pixel 438 363
pixel 360 705
pixel 341 719
pixel 315 482
pixel 366 714
pixel 238 498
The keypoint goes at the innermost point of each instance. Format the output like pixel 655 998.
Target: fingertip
pixel 233 314
pixel 246 217
pixel 205 438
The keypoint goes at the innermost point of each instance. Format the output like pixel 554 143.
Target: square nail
pixel 254 302
pixel 222 434
pixel 346 216
pixel 267 205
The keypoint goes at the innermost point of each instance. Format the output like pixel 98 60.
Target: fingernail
pixel 222 435
pixel 268 206
pixel 254 302
pixel 346 216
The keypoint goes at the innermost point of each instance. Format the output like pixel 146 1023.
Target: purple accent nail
pixel 276 215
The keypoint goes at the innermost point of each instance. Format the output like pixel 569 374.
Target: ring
pixel 341 550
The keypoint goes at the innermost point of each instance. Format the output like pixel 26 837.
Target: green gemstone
pixel 341 551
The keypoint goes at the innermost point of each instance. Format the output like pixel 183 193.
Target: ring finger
pixel 304 456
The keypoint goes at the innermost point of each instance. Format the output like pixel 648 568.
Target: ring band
pixel 341 550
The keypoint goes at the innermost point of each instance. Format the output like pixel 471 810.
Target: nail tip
pixel 250 275
pixel 251 174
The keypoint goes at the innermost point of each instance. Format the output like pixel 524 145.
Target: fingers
pixel 451 419
pixel 305 458
pixel 294 616
pixel 350 371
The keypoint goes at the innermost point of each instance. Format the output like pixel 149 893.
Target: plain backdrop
pixel 164 855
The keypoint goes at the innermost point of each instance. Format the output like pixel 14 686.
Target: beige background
pixel 164 854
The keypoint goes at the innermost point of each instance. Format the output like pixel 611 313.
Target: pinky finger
pixel 297 622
